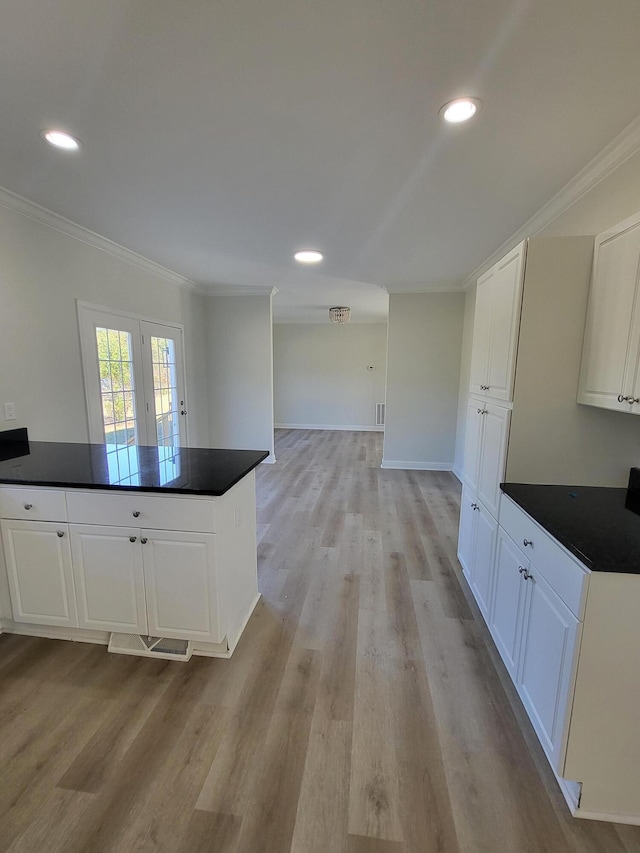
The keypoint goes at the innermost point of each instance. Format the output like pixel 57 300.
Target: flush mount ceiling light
pixel 461 109
pixel 308 256
pixel 60 139
pixel 340 314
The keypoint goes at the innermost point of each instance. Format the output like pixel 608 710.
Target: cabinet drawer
pixel 43 504
pixel 563 573
pixel 127 509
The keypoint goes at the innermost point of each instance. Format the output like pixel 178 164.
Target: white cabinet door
pixel 465 531
pixel 496 326
pixel 38 560
pixel 484 541
pixel 109 581
pixel 549 644
pixel 610 353
pixel 181 585
pixel 493 454
pixel 507 297
pixel 481 345
pixel 509 596
pixel 472 441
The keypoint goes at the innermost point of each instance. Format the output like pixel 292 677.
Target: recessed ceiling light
pixel 462 109
pixel 60 139
pixel 308 256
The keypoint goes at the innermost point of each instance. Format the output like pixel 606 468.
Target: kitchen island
pixel 151 550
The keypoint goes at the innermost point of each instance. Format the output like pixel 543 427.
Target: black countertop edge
pixel 186 470
pixel 591 522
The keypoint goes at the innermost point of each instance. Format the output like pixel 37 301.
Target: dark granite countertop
pixel 164 470
pixel 590 521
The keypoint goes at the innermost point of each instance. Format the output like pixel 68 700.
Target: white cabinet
pixel 538 602
pixel 509 594
pixel 109 580
pixel 550 640
pixel 537 637
pixel 93 571
pixel 39 571
pixel 495 328
pixel 609 377
pixel 486 450
pixel 476 548
pixel 181 585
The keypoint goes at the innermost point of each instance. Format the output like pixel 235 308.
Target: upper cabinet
pixel 609 376
pixel 495 328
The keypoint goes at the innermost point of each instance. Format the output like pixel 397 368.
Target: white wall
pixel 465 381
pixel 42 273
pixel 423 378
pixel 240 371
pixel 321 378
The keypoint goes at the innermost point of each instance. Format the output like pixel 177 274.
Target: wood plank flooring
pixel 364 710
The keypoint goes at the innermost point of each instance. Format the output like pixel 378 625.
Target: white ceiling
pixel 219 136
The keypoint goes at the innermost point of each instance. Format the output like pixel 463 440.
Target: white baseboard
pixel 270 460
pixel 417 466
pixel 350 428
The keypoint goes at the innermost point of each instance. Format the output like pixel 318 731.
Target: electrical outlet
pixel 9 411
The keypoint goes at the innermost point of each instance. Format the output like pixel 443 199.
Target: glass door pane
pixel 114 385
pixel 117 387
pixel 165 382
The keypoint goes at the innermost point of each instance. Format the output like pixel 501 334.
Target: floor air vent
pixel 150 647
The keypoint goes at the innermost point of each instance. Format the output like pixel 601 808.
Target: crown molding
pixel 37 213
pixel 623 146
pixel 240 290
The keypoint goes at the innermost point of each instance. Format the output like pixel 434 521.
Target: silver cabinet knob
pixel 132 538
pixel 623 399
pixel 136 513
pixel 28 506
pixel 60 534
pixel 144 540
pixel 521 569
pixel 527 575
pixel 632 400
pixel 479 411
pixel 526 542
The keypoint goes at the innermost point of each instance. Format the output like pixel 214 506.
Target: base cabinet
pixel 550 642
pixel 476 548
pixel 182 604
pixel 109 580
pixel 91 571
pixel 509 594
pixel 39 572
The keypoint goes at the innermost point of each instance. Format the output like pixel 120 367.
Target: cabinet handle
pixel 132 538
pixel 144 540
pixel 28 506
pixel 622 399
pixel 527 575
pixel 136 513
pixel 60 534
pixel 526 542
pixel 479 411
pixel 521 569
pixel 632 400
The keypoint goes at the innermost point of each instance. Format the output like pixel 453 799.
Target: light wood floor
pixel 364 710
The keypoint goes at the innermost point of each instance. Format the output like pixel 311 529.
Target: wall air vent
pixel 380 411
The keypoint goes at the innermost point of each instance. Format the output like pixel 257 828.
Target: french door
pixel 134 381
